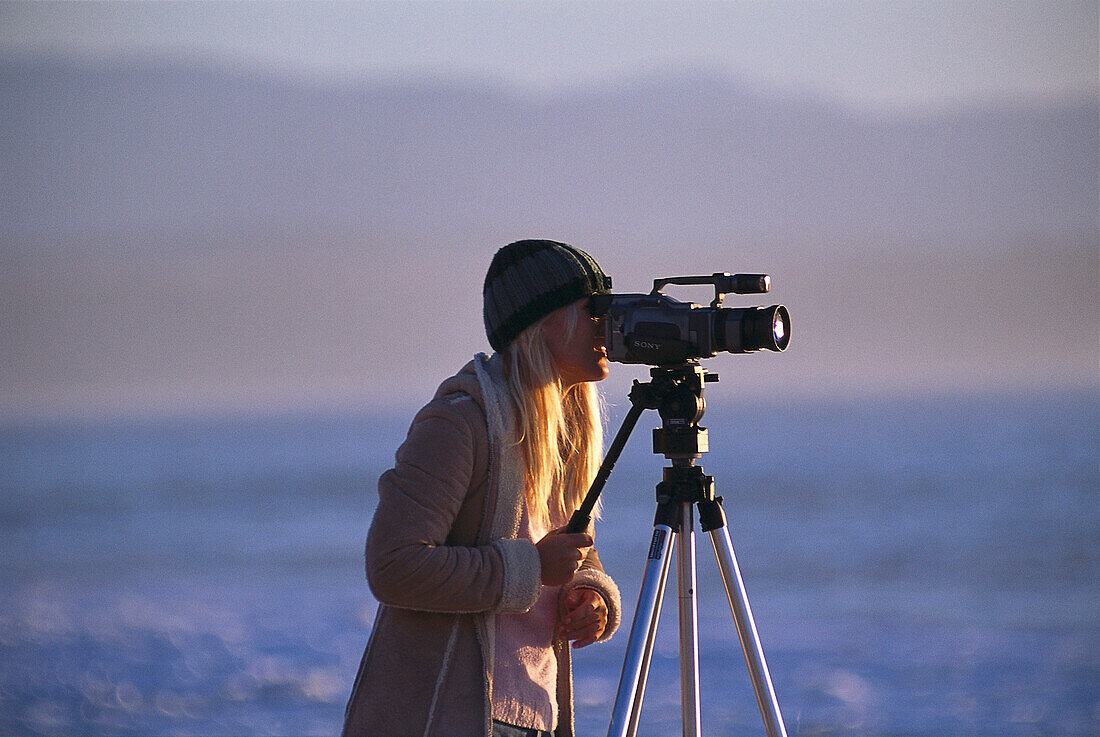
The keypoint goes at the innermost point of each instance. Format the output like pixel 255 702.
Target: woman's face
pixel 580 353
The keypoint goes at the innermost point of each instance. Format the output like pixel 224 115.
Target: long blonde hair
pixel 558 428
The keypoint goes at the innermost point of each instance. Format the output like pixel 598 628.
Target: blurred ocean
pixel 916 567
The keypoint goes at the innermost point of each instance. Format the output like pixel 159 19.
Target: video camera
pixel 658 330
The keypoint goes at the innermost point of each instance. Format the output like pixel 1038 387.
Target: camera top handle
pixel 724 283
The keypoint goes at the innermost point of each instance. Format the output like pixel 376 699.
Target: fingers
pixel 579 600
pixel 582 637
pixel 572 600
pixel 583 617
pixel 561 555
pixel 576 539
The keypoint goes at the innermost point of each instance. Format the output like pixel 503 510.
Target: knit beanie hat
pixel 529 279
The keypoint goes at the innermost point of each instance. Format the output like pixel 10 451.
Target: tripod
pixel 677 393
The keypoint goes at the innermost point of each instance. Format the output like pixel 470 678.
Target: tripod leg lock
pixel 687 485
pixel 711 515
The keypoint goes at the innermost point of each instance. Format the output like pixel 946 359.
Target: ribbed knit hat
pixel 529 279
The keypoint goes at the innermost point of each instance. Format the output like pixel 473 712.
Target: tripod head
pixel 678 391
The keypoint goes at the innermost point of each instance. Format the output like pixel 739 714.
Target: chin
pixel 599 372
pixel 603 370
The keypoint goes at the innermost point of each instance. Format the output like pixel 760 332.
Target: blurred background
pixel 240 244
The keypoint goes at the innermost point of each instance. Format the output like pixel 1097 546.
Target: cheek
pixel 560 350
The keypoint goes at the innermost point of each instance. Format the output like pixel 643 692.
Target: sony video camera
pixel 658 330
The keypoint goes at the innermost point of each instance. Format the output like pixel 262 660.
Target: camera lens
pixel 748 329
pixel 781 328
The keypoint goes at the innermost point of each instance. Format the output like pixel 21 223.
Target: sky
pixel 878 54
pixel 91 329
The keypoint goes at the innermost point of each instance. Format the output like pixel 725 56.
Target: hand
pixel 560 554
pixel 582 617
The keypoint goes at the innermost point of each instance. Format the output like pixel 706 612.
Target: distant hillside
pixel 182 237
pixel 125 151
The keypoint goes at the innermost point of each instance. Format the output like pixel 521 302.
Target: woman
pixel 480 588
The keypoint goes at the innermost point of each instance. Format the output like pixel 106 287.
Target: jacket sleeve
pixel 410 561
pixel 591 576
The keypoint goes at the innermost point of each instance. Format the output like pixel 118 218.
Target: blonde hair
pixel 558 428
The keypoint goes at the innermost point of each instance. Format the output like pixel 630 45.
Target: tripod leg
pixel 628 700
pixel 647 655
pixel 746 631
pixel 689 621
